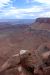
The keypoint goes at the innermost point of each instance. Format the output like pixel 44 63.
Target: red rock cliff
pixel 43 20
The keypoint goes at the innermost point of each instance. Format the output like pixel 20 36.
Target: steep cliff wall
pixel 43 20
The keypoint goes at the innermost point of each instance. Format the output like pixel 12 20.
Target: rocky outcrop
pixel 43 20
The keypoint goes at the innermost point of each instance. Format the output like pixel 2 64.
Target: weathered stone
pixel 43 20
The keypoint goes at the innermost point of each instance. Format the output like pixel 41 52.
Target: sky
pixel 24 9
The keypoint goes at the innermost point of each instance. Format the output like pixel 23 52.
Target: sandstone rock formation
pixel 43 20
pixel 26 63
pixel 14 60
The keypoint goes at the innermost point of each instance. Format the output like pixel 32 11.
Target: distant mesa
pixel 43 20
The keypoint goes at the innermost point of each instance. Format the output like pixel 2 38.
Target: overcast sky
pixel 24 9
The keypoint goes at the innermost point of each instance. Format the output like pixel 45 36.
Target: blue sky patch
pixel 24 9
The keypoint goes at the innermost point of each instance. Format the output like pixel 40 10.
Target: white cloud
pixel 14 10
pixel 20 12
pixel 31 9
pixel 24 12
pixel 40 1
pixel 43 1
pixel 45 14
pixel 3 2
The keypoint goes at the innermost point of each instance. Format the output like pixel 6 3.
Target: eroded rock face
pixel 43 20
pixel 24 63
pixel 10 63
pixel 14 60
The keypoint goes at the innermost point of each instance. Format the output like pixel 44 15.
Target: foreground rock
pixel 13 65
pixel 27 63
